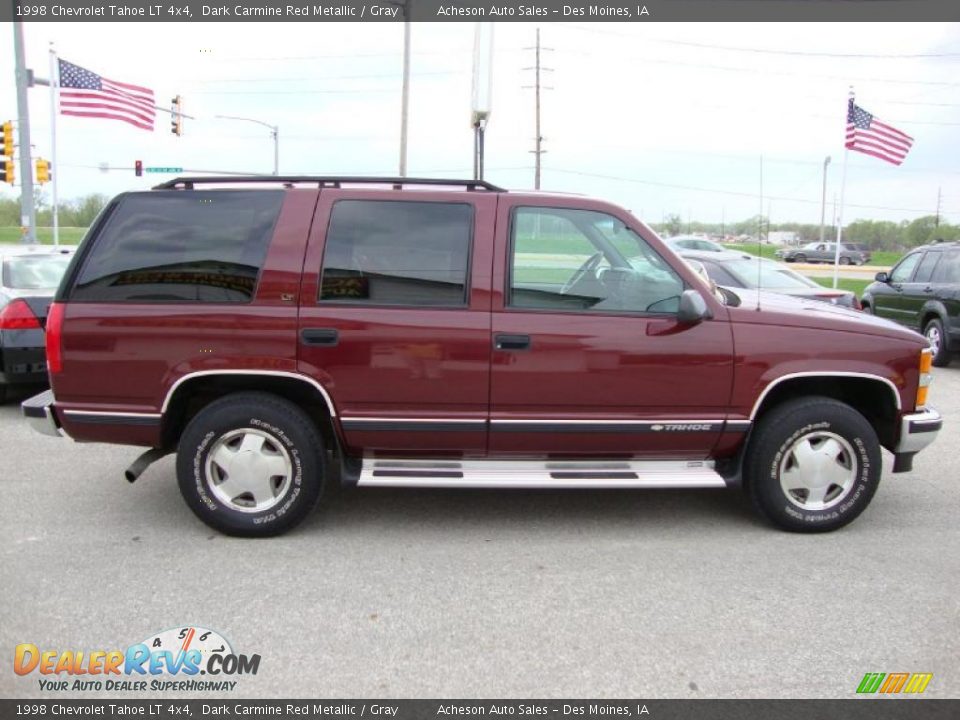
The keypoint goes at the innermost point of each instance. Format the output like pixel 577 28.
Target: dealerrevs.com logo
pixel 180 659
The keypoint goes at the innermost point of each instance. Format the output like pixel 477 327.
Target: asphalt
pixel 407 593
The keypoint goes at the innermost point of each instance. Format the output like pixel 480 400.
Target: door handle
pixel 320 336
pixel 928 289
pixel 511 342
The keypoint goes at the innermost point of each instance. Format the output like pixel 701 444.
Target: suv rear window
pixel 948 271
pixel 182 246
pixel 389 252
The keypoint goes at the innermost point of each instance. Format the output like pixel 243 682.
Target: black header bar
pixel 539 11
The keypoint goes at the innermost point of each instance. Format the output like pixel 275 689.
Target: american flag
pixel 868 135
pixel 86 94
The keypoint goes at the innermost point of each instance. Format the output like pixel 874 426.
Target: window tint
pixel 579 260
pixel 720 276
pixel 397 253
pixel 926 267
pixel 181 246
pixel 903 271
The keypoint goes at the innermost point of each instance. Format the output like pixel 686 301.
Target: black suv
pixel 923 292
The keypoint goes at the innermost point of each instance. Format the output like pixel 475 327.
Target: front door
pixel 588 356
pixel 888 301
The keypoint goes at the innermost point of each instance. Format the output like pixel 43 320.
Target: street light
pixel 823 202
pixel 274 133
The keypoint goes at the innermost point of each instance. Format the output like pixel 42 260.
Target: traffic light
pixel 7 139
pixel 176 119
pixel 43 170
pixel 138 167
pixel 6 168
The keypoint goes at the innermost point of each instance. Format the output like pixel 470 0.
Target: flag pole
pixel 54 169
pixel 843 187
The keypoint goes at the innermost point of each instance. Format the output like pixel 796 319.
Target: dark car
pixel 922 291
pixel 280 333
pixel 823 253
pixel 732 270
pixel 28 279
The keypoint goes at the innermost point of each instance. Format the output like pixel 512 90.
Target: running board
pixel 386 472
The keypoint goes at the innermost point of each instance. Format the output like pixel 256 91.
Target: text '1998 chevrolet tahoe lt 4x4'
pixel 277 333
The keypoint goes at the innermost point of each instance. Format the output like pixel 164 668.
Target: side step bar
pixel 386 472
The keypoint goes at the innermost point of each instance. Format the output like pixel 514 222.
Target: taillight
pixel 54 327
pixel 17 315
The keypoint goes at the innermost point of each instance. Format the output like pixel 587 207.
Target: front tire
pixel 813 465
pixel 251 464
pixel 933 331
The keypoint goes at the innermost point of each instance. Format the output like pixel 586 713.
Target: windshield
pixel 768 274
pixel 34 272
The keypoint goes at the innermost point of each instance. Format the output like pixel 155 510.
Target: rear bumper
pixel 918 430
pixel 38 411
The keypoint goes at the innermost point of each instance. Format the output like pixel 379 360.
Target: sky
pixel 660 118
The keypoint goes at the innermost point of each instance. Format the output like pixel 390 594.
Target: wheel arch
pixel 873 396
pixel 194 391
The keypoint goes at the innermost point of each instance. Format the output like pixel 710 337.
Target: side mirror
pixel 693 308
pixel 881 277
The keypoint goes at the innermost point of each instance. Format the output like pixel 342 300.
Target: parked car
pixel 922 292
pixel 822 253
pixel 28 278
pixel 692 242
pixel 279 332
pixel 732 270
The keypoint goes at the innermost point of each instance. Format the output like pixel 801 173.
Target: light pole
pixel 274 133
pixel 823 203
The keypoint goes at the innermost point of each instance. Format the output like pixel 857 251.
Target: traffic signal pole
pixel 28 215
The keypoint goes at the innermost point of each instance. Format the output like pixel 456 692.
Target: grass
pixel 68 235
pixel 766 251
pixel 855 286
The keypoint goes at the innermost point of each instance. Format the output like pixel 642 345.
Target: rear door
pixel 588 357
pixel 395 317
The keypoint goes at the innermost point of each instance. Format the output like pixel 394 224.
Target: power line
pixel 736 193
pixel 761 70
pixel 768 51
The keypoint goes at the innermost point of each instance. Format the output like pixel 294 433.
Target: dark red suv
pixel 278 332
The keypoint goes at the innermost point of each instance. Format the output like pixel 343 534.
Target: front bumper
pixel 38 411
pixel 918 430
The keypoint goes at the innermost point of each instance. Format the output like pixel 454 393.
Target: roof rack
pixel 323 181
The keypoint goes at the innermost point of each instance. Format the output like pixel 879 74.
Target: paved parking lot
pixel 390 593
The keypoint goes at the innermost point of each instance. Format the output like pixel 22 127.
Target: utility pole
pixel 405 92
pixel 936 222
pixel 538 150
pixel 28 215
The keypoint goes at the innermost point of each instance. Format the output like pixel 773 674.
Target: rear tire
pixel 933 331
pixel 813 465
pixel 251 464
pixel 845 261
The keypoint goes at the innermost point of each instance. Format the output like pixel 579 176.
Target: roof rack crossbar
pixel 322 181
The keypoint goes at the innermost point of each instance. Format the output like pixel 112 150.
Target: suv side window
pixel 182 246
pixel 926 267
pixel 581 260
pixel 902 272
pixel 948 271
pixel 396 252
